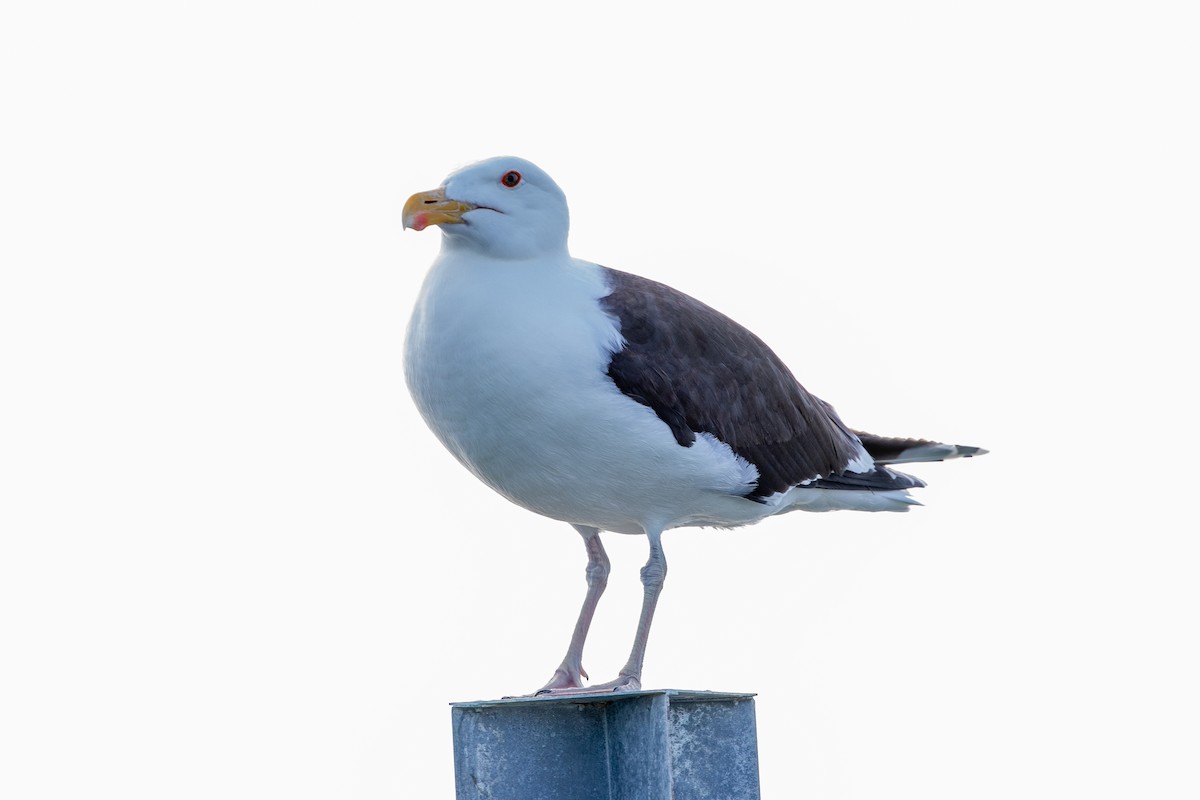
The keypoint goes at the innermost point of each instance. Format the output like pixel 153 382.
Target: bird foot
pixel 623 683
pixel 566 678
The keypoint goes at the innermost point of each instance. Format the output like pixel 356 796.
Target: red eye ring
pixel 511 179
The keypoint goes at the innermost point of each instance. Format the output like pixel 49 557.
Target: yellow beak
pixel 432 208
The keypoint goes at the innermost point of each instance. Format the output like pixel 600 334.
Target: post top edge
pixel 673 695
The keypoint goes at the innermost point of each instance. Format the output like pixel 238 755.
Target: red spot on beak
pixel 419 222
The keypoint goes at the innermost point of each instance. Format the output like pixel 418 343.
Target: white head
pixel 505 207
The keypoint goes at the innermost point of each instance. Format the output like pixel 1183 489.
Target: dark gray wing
pixel 702 372
pixel 890 450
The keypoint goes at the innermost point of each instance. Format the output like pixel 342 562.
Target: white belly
pixel 508 365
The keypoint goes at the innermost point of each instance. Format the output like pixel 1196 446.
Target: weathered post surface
pixel 664 744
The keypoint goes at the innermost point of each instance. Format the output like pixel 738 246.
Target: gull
pixel 613 402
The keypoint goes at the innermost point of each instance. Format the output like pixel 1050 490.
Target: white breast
pixel 507 362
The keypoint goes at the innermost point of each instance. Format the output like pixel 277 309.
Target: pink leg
pixel 653 576
pixel 570 674
pixel 630 677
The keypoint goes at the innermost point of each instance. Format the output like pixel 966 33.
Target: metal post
pixel 650 745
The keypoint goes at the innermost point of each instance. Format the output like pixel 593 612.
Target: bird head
pixel 505 207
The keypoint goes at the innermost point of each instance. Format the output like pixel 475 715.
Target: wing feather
pixel 702 372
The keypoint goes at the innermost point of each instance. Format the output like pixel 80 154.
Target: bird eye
pixel 511 179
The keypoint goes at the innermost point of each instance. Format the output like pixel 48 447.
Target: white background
pixel 235 564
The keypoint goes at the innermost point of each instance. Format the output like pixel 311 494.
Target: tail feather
pixel 879 479
pixel 889 450
pixel 802 498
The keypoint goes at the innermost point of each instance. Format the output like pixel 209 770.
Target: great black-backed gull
pixel 612 402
